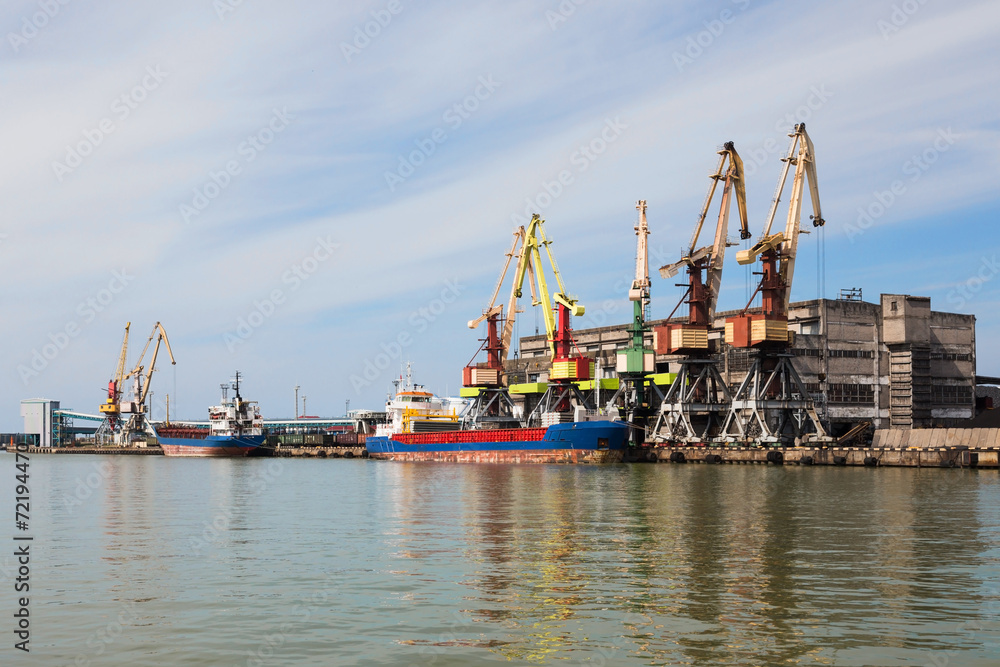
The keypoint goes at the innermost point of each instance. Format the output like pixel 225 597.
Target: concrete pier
pixel 910 457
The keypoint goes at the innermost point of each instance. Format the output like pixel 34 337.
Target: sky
pixel 314 193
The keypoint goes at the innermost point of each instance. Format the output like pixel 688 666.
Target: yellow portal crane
pixel 136 408
pixel 142 383
pixel 111 406
pixel 534 241
pixel 561 395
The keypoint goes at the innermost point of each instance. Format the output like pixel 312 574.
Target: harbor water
pixel 158 561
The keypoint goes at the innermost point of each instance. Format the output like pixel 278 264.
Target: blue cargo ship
pixel 235 429
pixel 573 442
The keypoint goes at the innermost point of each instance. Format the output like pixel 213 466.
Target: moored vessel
pixel 235 429
pixel 421 428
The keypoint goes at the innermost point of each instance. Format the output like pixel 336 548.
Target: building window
pixel 805 352
pixel 951 395
pixel 532 377
pixel 853 354
pixel 850 393
pixel 938 355
pixel 892 306
pixel 740 359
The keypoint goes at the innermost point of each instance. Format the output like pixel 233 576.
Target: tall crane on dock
pixel 772 405
pixel 124 420
pixel 698 400
pixel 111 408
pixel 636 361
pixel 562 399
pixel 491 405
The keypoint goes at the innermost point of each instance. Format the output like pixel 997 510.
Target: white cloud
pixel 324 174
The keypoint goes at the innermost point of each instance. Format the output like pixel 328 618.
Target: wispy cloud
pixel 325 174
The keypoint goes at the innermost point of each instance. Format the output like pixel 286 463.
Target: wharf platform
pixel 335 452
pixel 151 450
pixel 871 457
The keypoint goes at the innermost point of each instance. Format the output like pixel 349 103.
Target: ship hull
pixel 212 446
pixel 582 443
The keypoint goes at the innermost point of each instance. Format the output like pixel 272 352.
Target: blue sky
pixel 233 170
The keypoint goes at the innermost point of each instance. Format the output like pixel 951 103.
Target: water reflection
pixel 463 564
pixel 722 565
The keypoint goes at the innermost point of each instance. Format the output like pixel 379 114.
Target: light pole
pixel 296 401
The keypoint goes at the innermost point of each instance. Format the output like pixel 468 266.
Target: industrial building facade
pixel 895 364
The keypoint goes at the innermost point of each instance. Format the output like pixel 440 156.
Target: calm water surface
pixel 334 562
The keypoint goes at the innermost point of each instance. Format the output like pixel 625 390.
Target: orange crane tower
pixel 697 402
pixel 772 406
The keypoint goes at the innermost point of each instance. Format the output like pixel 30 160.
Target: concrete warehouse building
pixel 895 363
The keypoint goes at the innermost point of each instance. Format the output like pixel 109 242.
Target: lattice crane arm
pixel 729 171
pixel 640 286
pixel 493 309
pixel 800 154
pixel 161 336
pixel 515 291
pixel 735 186
pixel 120 370
pixel 531 263
pixel 805 168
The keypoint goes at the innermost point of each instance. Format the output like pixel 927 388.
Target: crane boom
pixel 111 405
pixel 490 310
pixel 535 240
pixel 703 295
pixel 735 186
pixel 120 371
pixel 143 386
pixel 523 261
pixel 640 286
pixel 784 245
